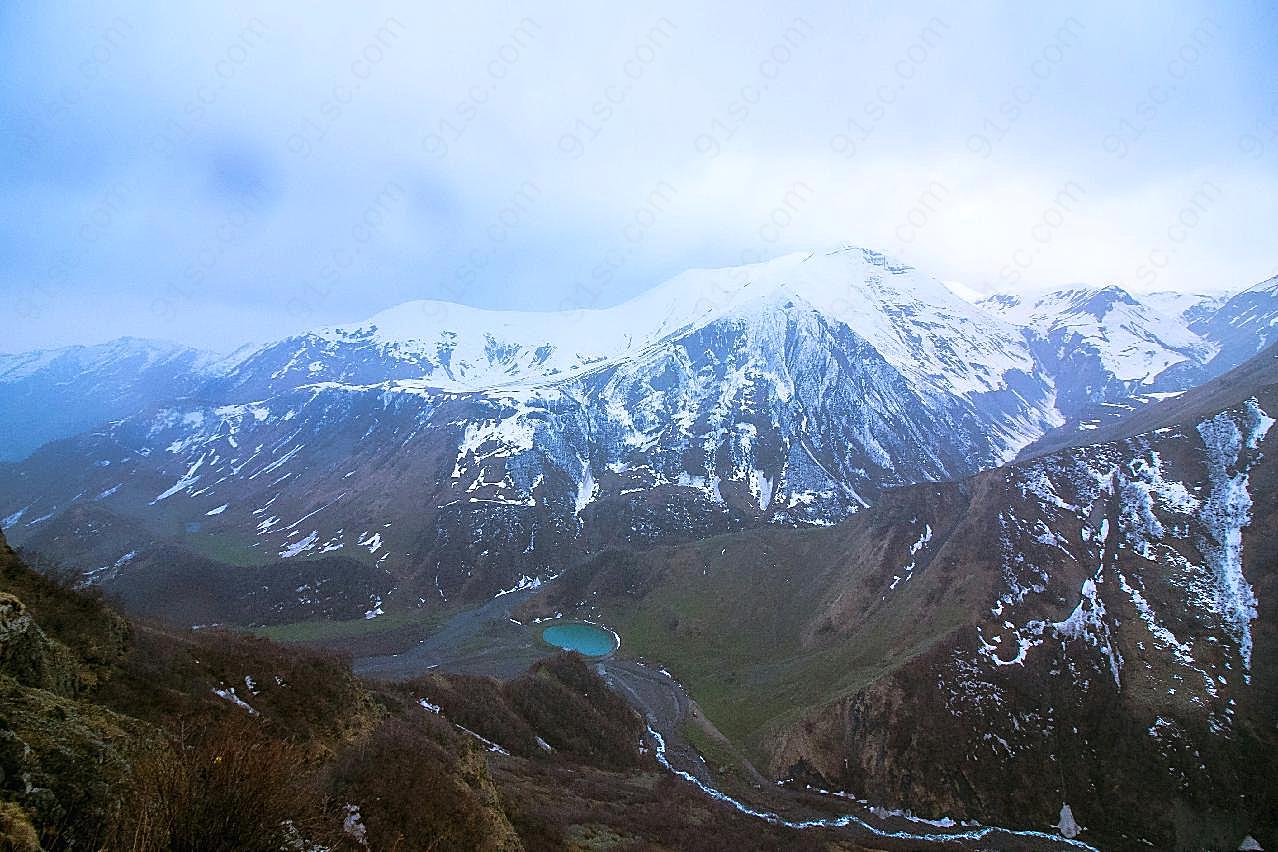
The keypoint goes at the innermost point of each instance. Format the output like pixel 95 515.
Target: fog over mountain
pixel 278 172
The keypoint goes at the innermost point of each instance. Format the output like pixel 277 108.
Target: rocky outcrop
pixel 50 637
pixel 65 761
pixel 29 656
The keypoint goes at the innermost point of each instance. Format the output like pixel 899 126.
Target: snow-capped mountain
pixel 1244 325
pixel 57 393
pixel 908 317
pixel 1109 352
pixel 1190 307
pixel 465 451
pixel 1100 342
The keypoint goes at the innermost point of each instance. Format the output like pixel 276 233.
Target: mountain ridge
pixel 796 391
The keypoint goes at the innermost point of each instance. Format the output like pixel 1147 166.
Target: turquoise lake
pixel 586 639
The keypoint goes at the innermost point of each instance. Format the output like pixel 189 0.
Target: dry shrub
pixel 572 708
pixel 16 832
pixel 226 786
pixel 414 793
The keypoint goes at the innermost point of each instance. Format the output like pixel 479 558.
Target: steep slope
pixel 912 320
pixel 1199 402
pixel 456 453
pixel 1095 628
pixel 1243 325
pixel 58 393
pixel 1189 307
pixel 1110 354
pixel 791 391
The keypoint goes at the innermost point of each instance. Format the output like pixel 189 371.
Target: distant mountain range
pixel 441 454
pixel 59 393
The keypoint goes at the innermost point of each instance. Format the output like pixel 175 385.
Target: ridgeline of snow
pixel 941 341
pixel 137 353
pixel 1135 340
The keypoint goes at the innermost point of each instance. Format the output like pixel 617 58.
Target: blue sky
pixel 225 173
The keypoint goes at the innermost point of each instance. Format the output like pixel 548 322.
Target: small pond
pixel 589 640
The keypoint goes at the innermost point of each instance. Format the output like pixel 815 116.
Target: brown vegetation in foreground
pixel 126 735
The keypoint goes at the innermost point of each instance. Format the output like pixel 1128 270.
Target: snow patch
pixel 1226 511
pixel 1067 825
pixel 525 582
pixel 184 482
pixel 1087 622
pixel 299 547
pixel 228 694
pixel 353 825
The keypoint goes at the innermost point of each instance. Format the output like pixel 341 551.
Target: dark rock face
pixel 27 655
pixel 59 759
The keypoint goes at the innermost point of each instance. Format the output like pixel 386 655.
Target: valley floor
pixel 484 641
pixel 489 641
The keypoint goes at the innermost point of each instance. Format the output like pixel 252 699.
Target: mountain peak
pixel 1104 299
pixel 1037 306
pixel 1269 285
pixel 457 347
pixel 870 256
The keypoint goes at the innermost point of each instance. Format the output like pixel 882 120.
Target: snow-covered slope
pixel 912 320
pixel 792 391
pixel 1190 307
pixel 132 353
pixel 1132 340
pixel 1244 325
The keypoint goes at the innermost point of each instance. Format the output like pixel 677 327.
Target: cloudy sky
pixel 219 173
